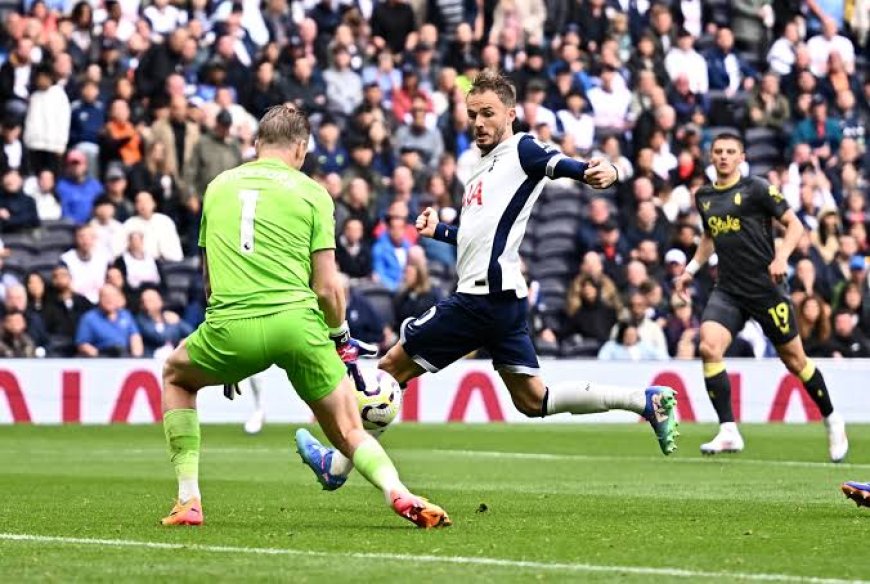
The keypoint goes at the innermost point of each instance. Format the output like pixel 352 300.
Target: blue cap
pixel 858 262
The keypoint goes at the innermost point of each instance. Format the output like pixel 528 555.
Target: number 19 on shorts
pixel 246 230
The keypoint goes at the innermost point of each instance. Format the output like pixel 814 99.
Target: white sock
pixel 729 427
pixel 255 392
pixel 585 397
pixel 342 465
pixel 188 489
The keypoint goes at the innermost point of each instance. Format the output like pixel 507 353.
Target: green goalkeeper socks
pixel 373 463
pixel 182 435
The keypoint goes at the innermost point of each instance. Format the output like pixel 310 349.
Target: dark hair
pixel 621 329
pixel 488 80
pixel 727 136
pixel 283 125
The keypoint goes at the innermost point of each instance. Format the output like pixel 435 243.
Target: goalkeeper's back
pixel 260 224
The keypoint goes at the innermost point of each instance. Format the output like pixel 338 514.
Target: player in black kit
pixel 738 215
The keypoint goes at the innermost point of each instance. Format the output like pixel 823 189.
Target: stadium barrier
pixel 106 391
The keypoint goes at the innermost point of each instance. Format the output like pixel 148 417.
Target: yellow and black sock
pixel 814 383
pixel 719 389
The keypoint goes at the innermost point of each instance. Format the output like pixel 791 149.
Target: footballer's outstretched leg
pixel 322 460
pixel 656 404
pixel 858 492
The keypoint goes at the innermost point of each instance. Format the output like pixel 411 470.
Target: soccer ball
pixel 380 402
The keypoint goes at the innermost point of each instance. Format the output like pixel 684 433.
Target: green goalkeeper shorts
pixel 295 340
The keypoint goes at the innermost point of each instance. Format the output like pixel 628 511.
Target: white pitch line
pixel 729 459
pixel 431 559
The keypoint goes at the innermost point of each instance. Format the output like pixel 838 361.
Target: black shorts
pixel 774 312
pixel 463 323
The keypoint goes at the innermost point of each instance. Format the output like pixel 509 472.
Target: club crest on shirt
pixel 738 198
pixel 706 205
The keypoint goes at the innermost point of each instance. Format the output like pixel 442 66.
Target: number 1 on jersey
pixel 249 209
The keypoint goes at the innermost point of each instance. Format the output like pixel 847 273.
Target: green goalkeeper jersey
pixel 260 224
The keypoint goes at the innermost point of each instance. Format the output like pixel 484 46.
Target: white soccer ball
pixel 380 402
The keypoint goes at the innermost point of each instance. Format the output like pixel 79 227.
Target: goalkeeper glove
pixel 350 350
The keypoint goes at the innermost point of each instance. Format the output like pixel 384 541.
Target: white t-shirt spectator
pixel 160 236
pixel 581 128
pixel 88 276
pixel 165 21
pixel 781 56
pixel 111 238
pixel 820 48
pixel 609 109
pixel 689 63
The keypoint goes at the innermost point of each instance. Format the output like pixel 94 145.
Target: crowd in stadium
pixel 117 114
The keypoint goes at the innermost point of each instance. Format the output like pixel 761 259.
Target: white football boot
pixel 838 444
pixel 255 422
pixel 727 440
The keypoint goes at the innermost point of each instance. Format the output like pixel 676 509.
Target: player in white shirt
pixel 490 307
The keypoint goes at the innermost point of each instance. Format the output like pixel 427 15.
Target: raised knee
pixel 710 351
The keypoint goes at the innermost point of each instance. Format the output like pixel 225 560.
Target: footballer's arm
pixel 327 285
pixel 540 160
pixel 702 255
pixel 794 229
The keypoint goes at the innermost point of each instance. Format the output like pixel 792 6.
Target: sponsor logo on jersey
pixel 774 192
pixel 722 225
pixel 474 195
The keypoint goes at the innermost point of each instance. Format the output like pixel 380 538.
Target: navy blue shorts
pixel 463 323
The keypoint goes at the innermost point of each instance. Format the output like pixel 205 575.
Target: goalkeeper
pixel 274 297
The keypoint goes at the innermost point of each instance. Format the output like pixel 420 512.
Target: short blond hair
pixel 283 126
pixel 489 80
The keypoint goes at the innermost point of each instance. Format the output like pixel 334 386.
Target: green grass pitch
pixel 562 503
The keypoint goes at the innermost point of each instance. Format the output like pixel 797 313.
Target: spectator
pixel 153 174
pixel 164 17
pixel 108 330
pixel 343 86
pixel 36 299
pixel 353 254
pixel 303 89
pixel 158 62
pixel 86 264
pixel 119 140
pixel 76 190
pixel 683 60
pixel 161 330
pixel 626 345
pixel 13 153
pixel 161 236
pixel 16 342
pixel 415 294
pixel 821 132
pixel 782 53
pixel 15 75
pixel 329 152
pixel 364 321
pixel 576 122
pixel 109 232
pixel 681 328
pixel 814 326
pixel 404 95
pixel 88 119
pixel 726 70
pixel 847 341
pixel 751 20
pixel 41 189
pixel 392 21
pixel 215 152
pixel 265 90
pixel 416 134
pixel 17 301
pixel 610 102
pixel 767 106
pixel 590 315
pixel 17 210
pixel 821 46
pixel 178 134
pixel 648 331
pixel 46 129
pixel 390 252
